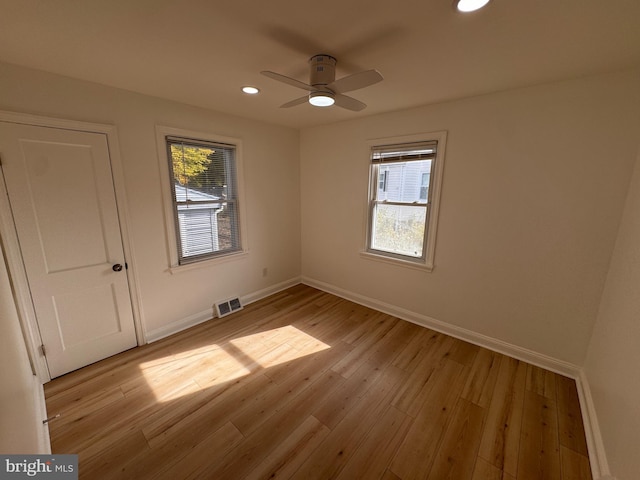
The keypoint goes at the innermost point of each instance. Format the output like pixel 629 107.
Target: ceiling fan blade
pixel 289 81
pixel 297 101
pixel 355 81
pixel 349 103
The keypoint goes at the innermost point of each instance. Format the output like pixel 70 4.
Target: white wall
pixel 613 361
pixel 534 186
pixel 271 168
pixel 21 397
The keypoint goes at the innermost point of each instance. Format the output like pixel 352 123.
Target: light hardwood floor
pixel 306 385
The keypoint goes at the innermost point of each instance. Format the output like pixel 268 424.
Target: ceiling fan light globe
pixel 470 5
pixel 321 100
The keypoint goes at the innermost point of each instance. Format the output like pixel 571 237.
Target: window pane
pixel 204 198
pixel 228 228
pixel 399 229
pixel 190 164
pixel 403 181
pixel 198 230
pixel 424 186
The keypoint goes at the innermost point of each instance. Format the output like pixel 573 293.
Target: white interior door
pixel 62 198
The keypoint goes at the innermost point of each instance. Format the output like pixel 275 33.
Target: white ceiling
pixel 201 52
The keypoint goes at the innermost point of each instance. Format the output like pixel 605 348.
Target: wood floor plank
pixel 330 324
pixel 500 442
pixel 539 456
pixel 204 456
pixel 485 471
pixel 286 459
pixel 458 451
pixel 320 361
pixel 341 444
pixel 73 408
pixel 419 345
pixel 371 458
pixel 412 394
pixel 364 320
pixel 116 419
pixel 389 475
pixel 200 409
pixel 304 384
pixel 416 453
pixel 384 352
pixel 569 416
pixel 155 461
pixel 257 446
pixel 541 381
pixel 382 326
pixel 574 465
pixel 482 378
pixel 104 459
pixel 336 407
pixel 285 386
pixel 464 352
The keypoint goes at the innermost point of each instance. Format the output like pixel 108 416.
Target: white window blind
pixel 205 201
pixel 404 152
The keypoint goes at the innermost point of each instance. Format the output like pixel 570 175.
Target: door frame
pixel 24 304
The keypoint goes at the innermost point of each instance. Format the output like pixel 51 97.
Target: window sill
pixel 425 267
pixel 174 269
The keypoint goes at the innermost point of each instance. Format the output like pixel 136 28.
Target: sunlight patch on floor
pixel 211 366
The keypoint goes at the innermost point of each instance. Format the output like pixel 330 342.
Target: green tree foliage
pixel 190 163
pixel 200 168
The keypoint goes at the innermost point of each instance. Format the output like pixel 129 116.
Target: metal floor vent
pixel 228 307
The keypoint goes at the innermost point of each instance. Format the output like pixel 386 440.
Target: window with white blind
pixel 404 191
pixel 203 185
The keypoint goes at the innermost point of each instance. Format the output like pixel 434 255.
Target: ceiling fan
pixel 324 89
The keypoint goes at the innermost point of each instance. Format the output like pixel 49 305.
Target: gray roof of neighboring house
pixel 184 194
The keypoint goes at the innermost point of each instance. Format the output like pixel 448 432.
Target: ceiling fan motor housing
pixel 323 70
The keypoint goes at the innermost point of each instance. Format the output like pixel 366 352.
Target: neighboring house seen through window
pixel 424 185
pixel 205 204
pixel 403 194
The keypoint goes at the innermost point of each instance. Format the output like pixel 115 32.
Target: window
pixel 382 180
pixel 204 195
pixel 403 199
pixel 424 185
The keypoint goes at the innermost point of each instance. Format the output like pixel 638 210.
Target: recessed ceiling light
pixel 470 5
pixel 321 99
pixel 250 90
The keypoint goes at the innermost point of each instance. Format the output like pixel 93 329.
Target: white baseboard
pixel 200 317
pixel 179 325
pixel 520 353
pixel 44 440
pixel 265 292
pixel 597 454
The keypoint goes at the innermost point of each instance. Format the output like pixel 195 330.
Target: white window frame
pixel 162 132
pixel 426 262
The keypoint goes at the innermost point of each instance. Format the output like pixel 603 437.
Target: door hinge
pixel 43 351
